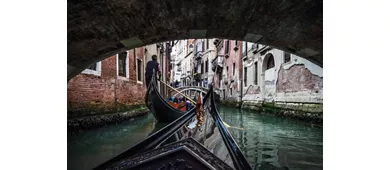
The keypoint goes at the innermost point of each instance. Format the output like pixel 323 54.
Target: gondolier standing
pixel 150 66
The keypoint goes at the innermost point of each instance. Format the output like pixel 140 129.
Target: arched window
pixel 269 61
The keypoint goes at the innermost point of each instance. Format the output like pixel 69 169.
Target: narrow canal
pixel 268 142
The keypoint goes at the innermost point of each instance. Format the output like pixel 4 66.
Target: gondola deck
pixel 181 145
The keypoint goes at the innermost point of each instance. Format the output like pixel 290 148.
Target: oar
pixel 227 125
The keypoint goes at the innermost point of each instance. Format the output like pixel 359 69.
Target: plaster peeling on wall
pixel 297 79
pixel 253 90
pixel 314 69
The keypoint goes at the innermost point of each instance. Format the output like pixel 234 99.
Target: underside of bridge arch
pixel 99 29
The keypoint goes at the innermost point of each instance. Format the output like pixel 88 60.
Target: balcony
pixel 198 55
pixel 245 57
pixel 217 41
pixel 218 44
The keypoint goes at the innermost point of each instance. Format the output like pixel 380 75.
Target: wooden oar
pixel 193 102
pixel 227 125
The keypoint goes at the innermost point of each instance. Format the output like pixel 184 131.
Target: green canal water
pixel 268 142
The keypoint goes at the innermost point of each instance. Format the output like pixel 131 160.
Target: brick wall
pixel 91 94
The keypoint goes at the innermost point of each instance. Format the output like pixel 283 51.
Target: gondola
pixel 161 109
pixel 184 145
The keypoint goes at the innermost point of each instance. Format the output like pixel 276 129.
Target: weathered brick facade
pixel 93 94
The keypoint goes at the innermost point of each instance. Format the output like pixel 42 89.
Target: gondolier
pixel 150 66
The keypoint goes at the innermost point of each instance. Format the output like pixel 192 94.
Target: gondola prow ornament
pixel 199 110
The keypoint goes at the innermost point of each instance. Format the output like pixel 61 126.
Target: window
pixel 94 69
pixel 256 73
pixel 287 57
pixel 139 70
pixel 207 43
pixel 227 47
pixel 245 74
pixel 207 66
pixel 123 65
pixel 227 70
pixel 201 68
pixel 236 43
pixel 231 92
pixel 234 68
pixel 199 47
pixel 270 62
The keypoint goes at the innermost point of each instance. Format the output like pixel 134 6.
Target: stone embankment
pixel 308 112
pixel 86 122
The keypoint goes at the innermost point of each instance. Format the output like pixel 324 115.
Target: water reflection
pixel 268 142
pixel 89 149
pixel 271 142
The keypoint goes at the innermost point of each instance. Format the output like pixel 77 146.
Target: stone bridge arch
pixel 99 29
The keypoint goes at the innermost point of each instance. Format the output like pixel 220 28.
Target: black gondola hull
pixel 182 145
pixel 160 108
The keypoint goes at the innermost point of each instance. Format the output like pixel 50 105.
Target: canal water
pixel 268 142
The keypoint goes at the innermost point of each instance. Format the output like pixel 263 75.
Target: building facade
pixel 272 75
pixel 203 54
pixel 114 84
pixel 281 82
pixel 179 57
pixel 228 64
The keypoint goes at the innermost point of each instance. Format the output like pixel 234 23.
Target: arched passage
pixel 99 29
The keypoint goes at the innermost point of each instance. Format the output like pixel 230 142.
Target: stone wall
pixel 308 112
pixel 90 122
pixel 297 80
pixel 93 94
pixel 97 29
pixel 292 88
